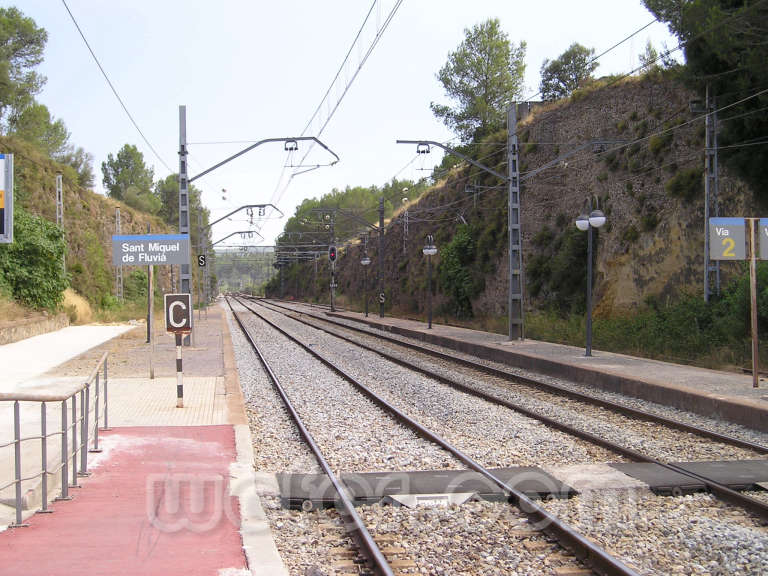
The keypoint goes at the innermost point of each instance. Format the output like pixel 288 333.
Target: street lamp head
pixel 365 261
pixel 582 222
pixel 291 145
pixel 596 218
pixel 429 247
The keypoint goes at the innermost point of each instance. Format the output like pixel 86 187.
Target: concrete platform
pixel 718 394
pixel 157 503
pixel 110 527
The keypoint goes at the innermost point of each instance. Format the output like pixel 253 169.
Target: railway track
pixel 752 505
pixel 533 383
pixel 593 556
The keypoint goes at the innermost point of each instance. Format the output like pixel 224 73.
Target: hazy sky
pixel 249 70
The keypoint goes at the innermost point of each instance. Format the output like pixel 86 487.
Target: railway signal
pixel 332 253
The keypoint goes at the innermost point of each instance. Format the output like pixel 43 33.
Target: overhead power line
pixel 114 91
pixel 281 188
pixel 619 43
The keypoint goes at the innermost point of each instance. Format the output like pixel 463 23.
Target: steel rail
pixel 550 387
pixel 725 493
pixel 590 553
pixel 356 528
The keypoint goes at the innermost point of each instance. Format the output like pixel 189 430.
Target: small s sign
pixel 382 298
pixel 201 260
pixel 178 313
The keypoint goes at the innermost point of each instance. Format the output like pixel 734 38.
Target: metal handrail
pixel 72 446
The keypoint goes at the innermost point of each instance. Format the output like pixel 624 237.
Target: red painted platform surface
pixel 157 503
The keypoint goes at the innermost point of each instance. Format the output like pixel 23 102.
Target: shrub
pixel 32 266
pixel 543 237
pixel 686 184
pixel 649 221
pixel 630 235
pixel 659 142
pixel 456 279
pixel 641 129
pixel 613 161
pixel 135 285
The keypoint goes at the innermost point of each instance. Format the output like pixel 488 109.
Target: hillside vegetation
pixel 649 256
pixel 89 222
pixel 630 145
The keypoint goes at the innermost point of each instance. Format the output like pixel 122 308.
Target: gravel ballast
pixel 695 534
pixel 670 536
pixel 656 440
pixel 493 435
pixel 353 433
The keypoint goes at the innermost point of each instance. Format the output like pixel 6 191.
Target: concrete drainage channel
pixel 420 488
pixel 447 487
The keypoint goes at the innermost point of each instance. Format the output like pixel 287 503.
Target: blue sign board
pixel 150 249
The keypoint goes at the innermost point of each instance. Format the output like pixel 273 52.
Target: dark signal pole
pixel 381 257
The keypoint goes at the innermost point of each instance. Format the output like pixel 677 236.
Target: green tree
pixel 143 200
pixel 32 264
pixel 455 274
pixel 167 192
pixel 649 59
pixel 21 49
pixel 125 170
pixel 36 125
pixel 725 48
pixel 82 162
pixel 569 71
pixel 482 76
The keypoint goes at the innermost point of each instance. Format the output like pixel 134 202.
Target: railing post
pixel 17 458
pixel 84 407
pixel 106 398
pixel 96 416
pixel 44 454
pixel 64 458
pixel 74 440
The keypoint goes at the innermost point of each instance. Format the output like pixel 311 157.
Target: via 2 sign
pixel 727 239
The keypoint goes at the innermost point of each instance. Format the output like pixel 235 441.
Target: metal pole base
pixel 62 499
pixel 41 511
pixel 83 474
pixel 94 450
pixel 22 525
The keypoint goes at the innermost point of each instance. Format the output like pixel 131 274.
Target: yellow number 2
pixel 729 244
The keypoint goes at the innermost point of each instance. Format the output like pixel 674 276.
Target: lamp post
pixel 585 222
pixel 429 250
pixel 364 262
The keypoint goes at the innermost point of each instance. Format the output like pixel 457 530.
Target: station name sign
pixel 150 249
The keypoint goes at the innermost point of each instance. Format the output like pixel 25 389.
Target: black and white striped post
pixel 179 374
pixel 178 320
